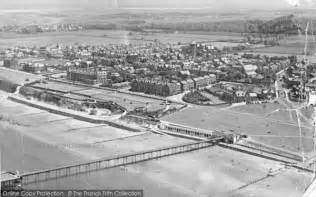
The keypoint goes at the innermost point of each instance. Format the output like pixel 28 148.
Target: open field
pixel 60 87
pixel 66 38
pixel 293 45
pixel 279 128
pixel 105 37
pixel 17 77
pixel 48 140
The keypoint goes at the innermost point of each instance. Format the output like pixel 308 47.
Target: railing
pixel 121 160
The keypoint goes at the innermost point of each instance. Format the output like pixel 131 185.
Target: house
pixel 290 82
pixel 240 96
pixel 185 73
pixel 252 97
pixel 87 75
pixel 312 98
pixel 187 85
pixel 156 87
pixel 201 82
pixel 250 70
pixel 34 67
pixel 311 86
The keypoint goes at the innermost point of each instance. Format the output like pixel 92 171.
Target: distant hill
pixel 279 25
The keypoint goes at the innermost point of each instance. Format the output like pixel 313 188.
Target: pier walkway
pixel 111 162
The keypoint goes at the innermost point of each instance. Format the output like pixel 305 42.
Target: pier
pixel 116 161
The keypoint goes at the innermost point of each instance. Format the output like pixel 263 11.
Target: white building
pixel 312 98
pixel 250 70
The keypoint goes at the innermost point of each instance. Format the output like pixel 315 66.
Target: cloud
pixel 293 2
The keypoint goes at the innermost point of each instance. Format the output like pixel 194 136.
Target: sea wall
pixel 274 150
pixel 73 115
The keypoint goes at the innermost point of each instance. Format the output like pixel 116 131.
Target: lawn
pixel 278 130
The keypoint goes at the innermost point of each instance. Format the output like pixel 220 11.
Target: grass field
pixel 105 37
pixel 66 38
pixel 17 77
pixel 277 128
pixel 293 45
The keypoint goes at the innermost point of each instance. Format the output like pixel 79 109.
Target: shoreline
pixel 73 114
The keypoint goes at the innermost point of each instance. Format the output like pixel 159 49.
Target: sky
pixel 215 4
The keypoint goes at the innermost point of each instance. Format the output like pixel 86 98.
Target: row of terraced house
pixel 169 88
pixel 87 75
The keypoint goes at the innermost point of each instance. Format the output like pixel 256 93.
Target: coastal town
pixel 157 69
pixel 158 103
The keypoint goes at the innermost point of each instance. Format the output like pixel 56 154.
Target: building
pixel 201 82
pixel 34 67
pixel 240 96
pixel 312 98
pixel 7 63
pixel 132 58
pixel 311 87
pixel 87 75
pixel 252 97
pixel 187 85
pixel 10 181
pixel 173 88
pixel 11 63
pixel 290 82
pixel 250 70
pixel 121 85
pixel 156 87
